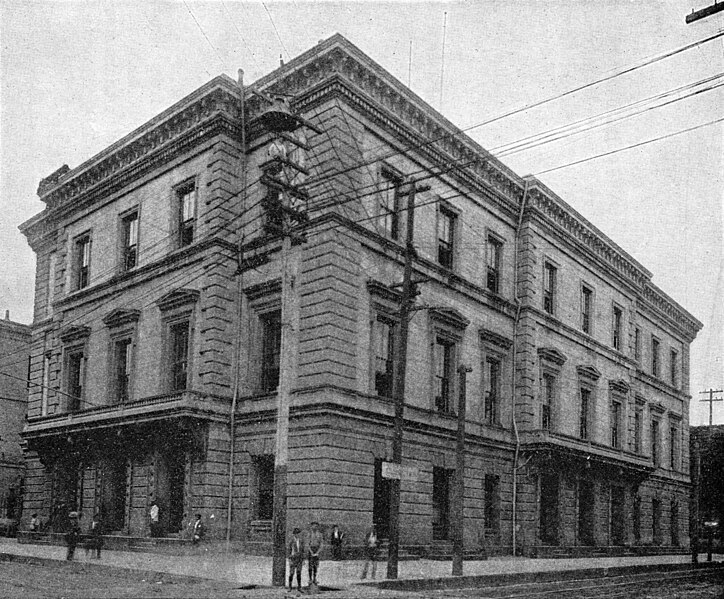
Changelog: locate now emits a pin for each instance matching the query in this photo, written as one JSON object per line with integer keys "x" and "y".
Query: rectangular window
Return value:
{"x": 445, "y": 237}
{"x": 615, "y": 424}
{"x": 638, "y": 423}
{"x": 637, "y": 345}
{"x": 674, "y": 369}
{"x": 390, "y": 205}
{"x": 271, "y": 344}
{"x": 585, "y": 408}
{"x": 494, "y": 251}
{"x": 51, "y": 283}
{"x": 655, "y": 348}
{"x": 492, "y": 389}
{"x": 637, "y": 519}
{"x": 129, "y": 233}
{"x": 550, "y": 273}
{"x": 122, "y": 369}
{"x": 656, "y": 520}
{"x": 444, "y": 368}
{"x": 264, "y": 467}
{"x": 179, "y": 355}
{"x": 82, "y": 262}
{"x": 383, "y": 346}
{"x": 187, "y": 214}
{"x": 490, "y": 503}
{"x": 76, "y": 374}
{"x": 586, "y": 306}
{"x": 617, "y": 322}
{"x": 655, "y": 442}
{"x": 549, "y": 382}
{"x": 675, "y": 523}
{"x": 673, "y": 447}
{"x": 46, "y": 385}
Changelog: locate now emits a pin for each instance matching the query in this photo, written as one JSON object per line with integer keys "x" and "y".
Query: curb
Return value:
{"x": 147, "y": 575}
{"x": 448, "y": 582}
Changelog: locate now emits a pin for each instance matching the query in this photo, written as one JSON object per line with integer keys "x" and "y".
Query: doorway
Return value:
{"x": 549, "y": 509}
{"x": 618, "y": 536}
{"x": 586, "y": 506}
{"x": 381, "y": 502}
{"x": 113, "y": 496}
{"x": 441, "y": 503}
{"x": 170, "y": 483}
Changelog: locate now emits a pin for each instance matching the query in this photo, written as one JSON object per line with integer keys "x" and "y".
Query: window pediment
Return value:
{"x": 74, "y": 333}
{"x": 588, "y": 372}
{"x": 178, "y": 298}
{"x": 267, "y": 288}
{"x": 449, "y": 317}
{"x": 551, "y": 354}
{"x": 120, "y": 317}
{"x": 492, "y": 338}
{"x": 619, "y": 386}
{"x": 382, "y": 291}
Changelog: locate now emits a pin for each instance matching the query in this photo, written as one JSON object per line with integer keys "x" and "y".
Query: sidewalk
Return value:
{"x": 256, "y": 570}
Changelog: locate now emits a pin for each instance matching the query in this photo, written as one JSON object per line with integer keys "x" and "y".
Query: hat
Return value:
{"x": 73, "y": 515}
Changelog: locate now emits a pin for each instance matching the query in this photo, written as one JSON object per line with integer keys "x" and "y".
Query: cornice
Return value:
{"x": 551, "y": 354}
{"x": 121, "y": 317}
{"x": 74, "y": 333}
{"x": 450, "y": 317}
{"x": 588, "y": 372}
{"x": 380, "y": 290}
{"x": 493, "y": 338}
{"x": 177, "y": 299}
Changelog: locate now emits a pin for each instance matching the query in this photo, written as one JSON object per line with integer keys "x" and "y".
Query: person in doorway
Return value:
{"x": 315, "y": 545}
{"x": 153, "y": 516}
{"x": 198, "y": 530}
{"x": 34, "y": 523}
{"x": 371, "y": 544}
{"x": 296, "y": 559}
{"x": 95, "y": 542}
{"x": 73, "y": 535}
{"x": 336, "y": 542}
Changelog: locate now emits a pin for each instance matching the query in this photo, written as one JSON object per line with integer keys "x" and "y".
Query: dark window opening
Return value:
{"x": 76, "y": 367}
{"x": 265, "y": 487}
{"x": 493, "y": 265}
{"x": 122, "y": 371}
{"x": 130, "y": 241}
{"x": 655, "y": 442}
{"x": 446, "y": 238}
{"x": 617, "y": 521}
{"x": 549, "y": 288}
{"x": 586, "y": 505}
{"x": 655, "y": 356}
{"x": 617, "y": 322}
{"x": 491, "y": 505}
{"x": 187, "y": 214}
{"x": 179, "y": 355}
{"x": 444, "y": 350}
{"x": 82, "y": 262}
{"x": 271, "y": 325}
{"x": 381, "y": 502}
{"x": 548, "y": 518}
{"x": 585, "y": 409}
{"x": 586, "y": 305}
{"x": 656, "y": 520}
{"x": 441, "y": 479}
{"x": 615, "y": 423}
{"x": 390, "y": 205}
{"x": 383, "y": 348}
{"x": 673, "y": 374}
{"x": 547, "y": 405}
{"x": 492, "y": 389}
{"x": 638, "y": 422}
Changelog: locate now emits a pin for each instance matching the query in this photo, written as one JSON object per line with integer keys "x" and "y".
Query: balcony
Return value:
{"x": 186, "y": 404}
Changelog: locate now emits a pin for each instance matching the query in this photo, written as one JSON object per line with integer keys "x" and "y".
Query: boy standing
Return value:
{"x": 296, "y": 559}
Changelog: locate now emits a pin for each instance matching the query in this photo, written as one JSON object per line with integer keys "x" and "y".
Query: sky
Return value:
{"x": 76, "y": 76}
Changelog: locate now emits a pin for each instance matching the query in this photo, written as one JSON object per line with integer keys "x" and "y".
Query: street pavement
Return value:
{"x": 245, "y": 570}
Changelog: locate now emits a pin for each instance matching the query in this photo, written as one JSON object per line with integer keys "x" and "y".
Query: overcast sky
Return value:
{"x": 77, "y": 76}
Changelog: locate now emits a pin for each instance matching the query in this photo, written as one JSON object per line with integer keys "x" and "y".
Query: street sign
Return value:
{"x": 711, "y": 523}
{"x": 398, "y": 471}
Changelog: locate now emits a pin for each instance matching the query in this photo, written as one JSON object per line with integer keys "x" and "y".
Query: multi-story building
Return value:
{"x": 14, "y": 352}
{"x": 159, "y": 299}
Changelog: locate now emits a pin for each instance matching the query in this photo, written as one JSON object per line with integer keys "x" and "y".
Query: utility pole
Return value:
{"x": 711, "y": 401}
{"x": 409, "y": 291}
{"x": 458, "y": 511}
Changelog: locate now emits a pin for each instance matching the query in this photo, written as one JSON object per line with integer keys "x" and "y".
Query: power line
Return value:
{"x": 206, "y": 37}
{"x": 279, "y": 37}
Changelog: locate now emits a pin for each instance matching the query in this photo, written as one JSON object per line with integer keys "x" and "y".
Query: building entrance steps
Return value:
{"x": 212, "y": 562}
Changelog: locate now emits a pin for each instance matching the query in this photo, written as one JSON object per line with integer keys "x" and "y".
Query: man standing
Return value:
{"x": 315, "y": 544}
{"x": 371, "y": 544}
{"x": 153, "y": 519}
{"x": 96, "y": 536}
{"x": 73, "y": 535}
{"x": 336, "y": 542}
{"x": 296, "y": 559}
{"x": 198, "y": 530}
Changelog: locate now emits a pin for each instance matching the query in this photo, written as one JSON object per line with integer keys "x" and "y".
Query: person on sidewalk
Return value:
{"x": 95, "y": 542}
{"x": 198, "y": 530}
{"x": 296, "y": 559}
{"x": 34, "y": 523}
{"x": 336, "y": 542}
{"x": 371, "y": 544}
{"x": 73, "y": 535}
{"x": 153, "y": 516}
{"x": 315, "y": 545}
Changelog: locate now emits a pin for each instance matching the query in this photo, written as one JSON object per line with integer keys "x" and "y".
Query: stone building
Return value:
{"x": 158, "y": 297}
{"x": 14, "y": 352}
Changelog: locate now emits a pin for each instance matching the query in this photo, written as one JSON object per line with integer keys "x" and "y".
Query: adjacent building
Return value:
{"x": 159, "y": 300}
{"x": 707, "y": 474}
{"x": 14, "y": 353}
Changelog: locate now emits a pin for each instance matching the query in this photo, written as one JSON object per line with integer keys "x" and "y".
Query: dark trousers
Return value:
{"x": 337, "y": 550}
{"x": 313, "y": 567}
{"x": 71, "y": 552}
{"x": 295, "y": 565}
